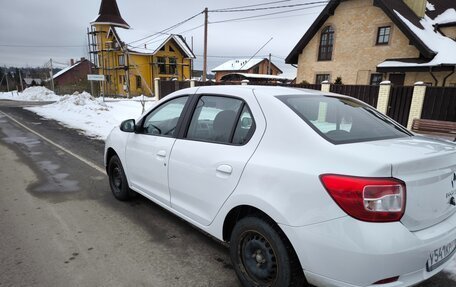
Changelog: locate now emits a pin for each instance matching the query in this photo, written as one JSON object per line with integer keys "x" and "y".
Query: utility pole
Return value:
{"x": 269, "y": 64}
{"x": 206, "y": 12}
{"x": 51, "y": 73}
{"x": 20, "y": 79}
{"x": 6, "y": 75}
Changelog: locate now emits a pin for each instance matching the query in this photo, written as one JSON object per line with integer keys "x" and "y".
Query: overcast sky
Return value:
{"x": 61, "y": 26}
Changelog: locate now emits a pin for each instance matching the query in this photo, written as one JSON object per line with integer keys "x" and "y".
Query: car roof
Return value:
{"x": 263, "y": 90}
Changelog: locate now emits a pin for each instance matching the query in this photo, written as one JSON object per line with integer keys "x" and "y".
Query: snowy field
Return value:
{"x": 93, "y": 116}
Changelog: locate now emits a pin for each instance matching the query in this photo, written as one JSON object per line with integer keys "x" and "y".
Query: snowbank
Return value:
{"x": 32, "y": 94}
{"x": 92, "y": 116}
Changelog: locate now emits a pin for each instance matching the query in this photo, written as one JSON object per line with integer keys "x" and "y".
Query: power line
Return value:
{"x": 269, "y": 8}
{"x": 255, "y": 5}
{"x": 40, "y": 46}
{"x": 169, "y": 28}
{"x": 263, "y": 15}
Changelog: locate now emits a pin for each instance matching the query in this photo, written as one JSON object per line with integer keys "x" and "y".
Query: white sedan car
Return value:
{"x": 307, "y": 187}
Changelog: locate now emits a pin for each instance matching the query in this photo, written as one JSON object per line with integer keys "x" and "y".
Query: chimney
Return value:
{"x": 71, "y": 62}
{"x": 418, "y": 6}
{"x": 83, "y": 59}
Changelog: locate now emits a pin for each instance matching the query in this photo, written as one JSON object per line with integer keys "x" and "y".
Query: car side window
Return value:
{"x": 220, "y": 119}
{"x": 245, "y": 127}
{"x": 163, "y": 120}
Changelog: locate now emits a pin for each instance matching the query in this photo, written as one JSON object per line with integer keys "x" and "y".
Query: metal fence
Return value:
{"x": 440, "y": 104}
{"x": 399, "y": 104}
{"x": 367, "y": 94}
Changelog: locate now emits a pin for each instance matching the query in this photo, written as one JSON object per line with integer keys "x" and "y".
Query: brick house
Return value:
{"x": 256, "y": 66}
{"x": 367, "y": 41}
{"x": 74, "y": 74}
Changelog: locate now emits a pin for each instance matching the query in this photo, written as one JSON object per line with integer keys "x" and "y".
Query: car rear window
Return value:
{"x": 343, "y": 120}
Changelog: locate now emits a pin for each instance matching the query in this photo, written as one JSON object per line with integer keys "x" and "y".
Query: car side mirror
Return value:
{"x": 128, "y": 126}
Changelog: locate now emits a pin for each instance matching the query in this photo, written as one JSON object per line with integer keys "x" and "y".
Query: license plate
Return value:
{"x": 440, "y": 256}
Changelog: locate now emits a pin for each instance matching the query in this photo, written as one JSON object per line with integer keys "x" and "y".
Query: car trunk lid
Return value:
{"x": 428, "y": 168}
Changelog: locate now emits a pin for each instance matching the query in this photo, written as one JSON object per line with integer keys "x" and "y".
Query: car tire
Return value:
{"x": 118, "y": 180}
{"x": 263, "y": 256}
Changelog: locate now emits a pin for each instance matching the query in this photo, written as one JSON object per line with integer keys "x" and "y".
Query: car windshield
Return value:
{"x": 343, "y": 120}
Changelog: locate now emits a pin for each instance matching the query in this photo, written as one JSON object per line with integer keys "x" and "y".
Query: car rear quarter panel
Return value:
{"x": 282, "y": 177}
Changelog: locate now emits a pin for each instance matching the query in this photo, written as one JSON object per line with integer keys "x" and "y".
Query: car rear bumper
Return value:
{"x": 348, "y": 252}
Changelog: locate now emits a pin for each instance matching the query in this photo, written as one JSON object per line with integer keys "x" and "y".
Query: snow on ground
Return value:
{"x": 93, "y": 116}
{"x": 32, "y": 94}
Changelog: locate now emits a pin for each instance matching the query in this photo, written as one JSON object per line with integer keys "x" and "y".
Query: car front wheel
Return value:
{"x": 262, "y": 256}
{"x": 118, "y": 180}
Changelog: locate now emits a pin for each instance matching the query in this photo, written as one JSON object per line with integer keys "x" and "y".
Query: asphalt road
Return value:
{"x": 60, "y": 225}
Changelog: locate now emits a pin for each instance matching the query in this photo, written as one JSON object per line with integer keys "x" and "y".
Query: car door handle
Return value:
{"x": 224, "y": 168}
{"x": 161, "y": 153}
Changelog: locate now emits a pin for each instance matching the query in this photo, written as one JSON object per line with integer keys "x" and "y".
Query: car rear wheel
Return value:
{"x": 262, "y": 256}
{"x": 117, "y": 180}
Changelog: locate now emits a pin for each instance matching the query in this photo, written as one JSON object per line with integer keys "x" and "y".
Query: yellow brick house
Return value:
{"x": 131, "y": 59}
{"x": 368, "y": 41}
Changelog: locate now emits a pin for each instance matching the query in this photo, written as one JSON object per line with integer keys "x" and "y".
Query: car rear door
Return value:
{"x": 206, "y": 164}
{"x": 147, "y": 151}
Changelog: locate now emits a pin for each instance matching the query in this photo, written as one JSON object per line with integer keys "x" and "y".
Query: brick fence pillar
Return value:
{"x": 192, "y": 83}
{"x": 383, "y": 97}
{"x": 245, "y": 82}
{"x": 325, "y": 86}
{"x": 157, "y": 88}
{"x": 416, "y": 108}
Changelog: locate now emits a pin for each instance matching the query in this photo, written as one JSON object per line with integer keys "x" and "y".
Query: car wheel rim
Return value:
{"x": 116, "y": 179}
{"x": 258, "y": 258}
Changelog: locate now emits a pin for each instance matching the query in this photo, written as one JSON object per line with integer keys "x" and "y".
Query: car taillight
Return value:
{"x": 367, "y": 199}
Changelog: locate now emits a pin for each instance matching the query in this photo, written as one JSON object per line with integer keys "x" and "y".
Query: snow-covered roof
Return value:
{"x": 63, "y": 71}
{"x": 238, "y": 65}
{"x": 449, "y": 16}
{"x": 260, "y": 76}
{"x": 140, "y": 41}
{"x": 443, "y": 47}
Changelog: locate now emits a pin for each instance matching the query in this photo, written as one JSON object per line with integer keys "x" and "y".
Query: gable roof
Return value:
{"x": 140, "y": 42}
{"x": 109, "y": 14}
{"x": 398, "y": 11}
{"x": 64, "y": 70}
{"x": 241, "y": 65}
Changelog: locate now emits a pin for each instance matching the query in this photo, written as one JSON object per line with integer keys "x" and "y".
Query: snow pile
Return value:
{"x": 92, "y": 116}
{"x": 84, "y": 100}
{"x": 32, "y": 94}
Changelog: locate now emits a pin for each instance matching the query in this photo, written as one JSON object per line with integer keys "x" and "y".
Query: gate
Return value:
{"x": 367, "y": 94}
{"x": 168, "y": 87}
{"x": 399, "y": 104}
{"x": 440, "y": 104}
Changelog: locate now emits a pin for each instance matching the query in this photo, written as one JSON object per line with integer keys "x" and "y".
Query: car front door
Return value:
{"x": 207, "y": 163}
{"x": 147, "y": 151}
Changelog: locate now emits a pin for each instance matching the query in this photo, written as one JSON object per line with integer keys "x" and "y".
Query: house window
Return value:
{"x": 172, "y": 66}
{"x": 376, "y": 79}
{"x": 121, "y": 60}
{"x": 321, "y": 77}
{"x": 138, "y": 82}
{"x": 383, "y": 35}
{"x": 171, "y": 49}
{"x": 161, "y": 61}
{"x": 326, "y": 44}
{"x": 122, "y": 80}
